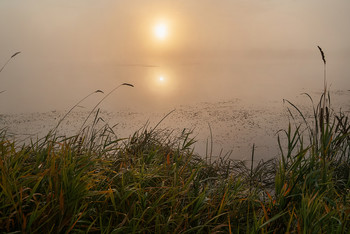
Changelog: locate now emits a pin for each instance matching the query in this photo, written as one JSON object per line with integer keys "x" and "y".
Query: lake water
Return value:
{"x": 233, "y": 126}
{"x": 241, "y": 100}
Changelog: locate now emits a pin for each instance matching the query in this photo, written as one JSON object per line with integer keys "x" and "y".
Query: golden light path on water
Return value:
{"x": 162, "y": 84}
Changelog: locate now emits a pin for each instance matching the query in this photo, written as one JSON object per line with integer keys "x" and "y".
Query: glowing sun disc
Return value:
{"x": 161, "y": 31}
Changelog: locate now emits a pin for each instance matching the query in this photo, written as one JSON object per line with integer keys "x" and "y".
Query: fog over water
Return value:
{"x": 224, "y": 62}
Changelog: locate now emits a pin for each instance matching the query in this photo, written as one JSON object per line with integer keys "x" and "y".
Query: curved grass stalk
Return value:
{"x": 123, "y": 84}
{"x": 59, "y": 122}
{"x": 2, "y": 68}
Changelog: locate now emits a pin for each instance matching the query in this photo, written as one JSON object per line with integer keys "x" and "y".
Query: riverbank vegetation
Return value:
{"x": 153, "y": 182}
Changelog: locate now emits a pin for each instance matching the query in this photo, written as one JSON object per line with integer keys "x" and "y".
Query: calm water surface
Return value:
{"x": 242, "y": 106}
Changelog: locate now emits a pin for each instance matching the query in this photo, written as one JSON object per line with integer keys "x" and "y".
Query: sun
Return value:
{"x": 161, "y": 78}
{"x": 161, "y": 31}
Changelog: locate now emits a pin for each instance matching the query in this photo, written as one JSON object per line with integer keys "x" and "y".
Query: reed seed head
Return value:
{"x": 15, "y": 54}
{"x": 322, "y": 54}
{"x": 128, "y": 84}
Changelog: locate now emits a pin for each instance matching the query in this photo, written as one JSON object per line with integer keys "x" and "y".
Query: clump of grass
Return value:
{"x": 143, "y": 184}
{"x": 313, "y": 175}
{"x": 153, "y": 182}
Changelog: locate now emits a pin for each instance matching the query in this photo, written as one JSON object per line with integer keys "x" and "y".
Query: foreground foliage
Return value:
{"x": 152, "y": 182}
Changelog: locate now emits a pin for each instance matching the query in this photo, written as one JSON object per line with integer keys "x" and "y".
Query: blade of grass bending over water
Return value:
{"x": 59, "y": 122}
{"x": 162, "y": 120}
{"x": 123, "y": 84}
{"x": 2, "y": 68}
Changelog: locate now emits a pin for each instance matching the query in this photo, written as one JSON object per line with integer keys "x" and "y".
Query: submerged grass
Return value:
{"x": 153, "y": 182}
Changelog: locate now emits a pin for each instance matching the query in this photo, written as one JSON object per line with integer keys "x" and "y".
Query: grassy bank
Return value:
{"x": 153, "y": 182}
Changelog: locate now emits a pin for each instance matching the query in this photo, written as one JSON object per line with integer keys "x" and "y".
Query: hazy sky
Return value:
{"x": 215, "y": 49}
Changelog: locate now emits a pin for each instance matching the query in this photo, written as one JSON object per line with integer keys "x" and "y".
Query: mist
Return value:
{"x": 216, "y": 50}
